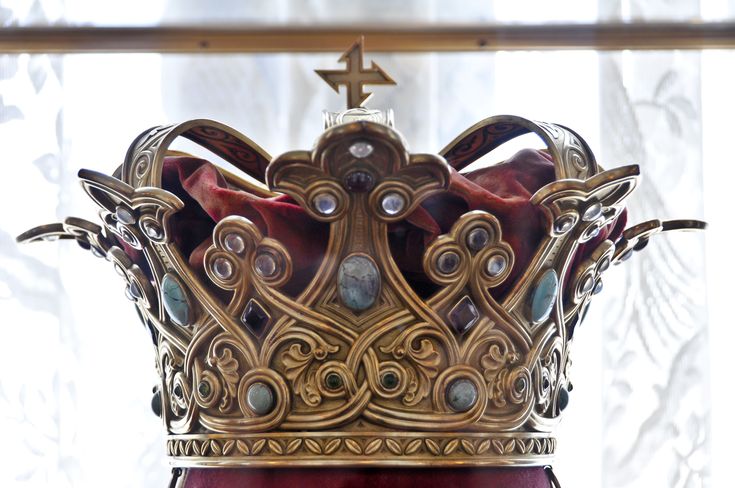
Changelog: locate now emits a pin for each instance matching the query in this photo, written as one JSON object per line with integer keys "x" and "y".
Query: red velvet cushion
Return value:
{"x": 367, "y": 478}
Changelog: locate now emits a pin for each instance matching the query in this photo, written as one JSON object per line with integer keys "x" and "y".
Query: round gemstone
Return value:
{"x": 178, "y": 391}
{"x": 478, "y": 238}
{"x": 598, "y": 287}
{"x": 128, "y": 236}
{"x": 325, "y": 203}
{"x": 358, "y": 282}
{"x": 461, "y": 395}
{"x": 204, "y": 389}
{"x": 641, "y": 244}
{"x": 97, "y": 252}
{"x": 592, "y": 231}
{"x": 604, "y": 264}
{"x": 626, "y": 255}
{"x": 496, "y": 265}
{"x": 563, "y": 399}
{"x": 592, "y": 212}
{"x": 587, "y": 284}
{"x": 156, "y": 403}
{"x": 135, "y": 290}
{"x": 448, "y": 262}
{"x": 544, "y": 296}
{"x": 359, "y": 181}
{"x": 389, "y": 380}
{"x": 234, "y": 243}
{"x": 393, "y": 203}
{"x": 564, "y": 223}
{"x": 265, "y": 264}
{"x": 152, "y": 230}
{"x": 124, "y": 215}
{"x": 175, "y": 300}
{"x": 260, "y": 398}
{"x": 333, "y": 381}
{"x": 222, "y": 268}
{"x": 129, "y": 294}
{"x": 361, "y": 149}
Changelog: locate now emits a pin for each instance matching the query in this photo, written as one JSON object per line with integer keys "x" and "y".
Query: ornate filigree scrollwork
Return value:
{"x": 358, "y": 369}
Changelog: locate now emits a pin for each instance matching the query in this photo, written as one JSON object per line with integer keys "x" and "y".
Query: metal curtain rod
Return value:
{"x": 330, "y": 38}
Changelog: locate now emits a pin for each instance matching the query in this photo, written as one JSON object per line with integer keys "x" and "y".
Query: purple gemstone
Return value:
{"x": 464, "y": 315}
{"x": 254, "y": 317}
{"x": 359, "y": 181}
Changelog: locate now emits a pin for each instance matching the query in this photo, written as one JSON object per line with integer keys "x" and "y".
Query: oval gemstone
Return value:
{"x": 260, "y": 398}
{"x": 175, "y": 300}
{"x": 361, "y": 149}
{"x": 234, "y": 243}
{"x": 359, "y": 181}
{"x": 544, "y": 296}
{"x": 478, "y": 238}
{"x": 152, "y": 230}
{"x": 496, "y": 265}
{"x": 588, "y": 284}
{"x": 393, "y": 203}
{"x": 325, "y": 203}
{"x": 333, "y": 381}
{"x": 563, "y": 399}
{"x": 592, "y": 212}
{"x": 389, "y": 380}
{"x": 222, "y": 268}
{"x": 564, "y": 223}
{"x": 448, "y": 262}
{"x": 358, "y": 282}
{"x": 461, "y": 395}
{"x": 124, "y": 215}
{"x": 265, "y": 265}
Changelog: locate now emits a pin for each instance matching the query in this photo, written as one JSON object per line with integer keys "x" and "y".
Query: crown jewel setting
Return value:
{"x": 358, "y": 367}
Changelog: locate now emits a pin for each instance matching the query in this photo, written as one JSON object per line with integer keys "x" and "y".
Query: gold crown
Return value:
{"x": 358, "y": 368}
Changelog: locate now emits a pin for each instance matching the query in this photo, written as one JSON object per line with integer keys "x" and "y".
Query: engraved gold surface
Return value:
{"x": 208, "y": 365}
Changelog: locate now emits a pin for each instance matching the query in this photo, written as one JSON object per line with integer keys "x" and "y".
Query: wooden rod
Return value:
{"x": 424, "y": 38}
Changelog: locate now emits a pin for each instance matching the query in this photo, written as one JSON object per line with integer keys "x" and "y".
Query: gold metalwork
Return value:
{"x": 414, "y": 38}
{"x": 517, "y": 367}
{"x": 354, "y": 77}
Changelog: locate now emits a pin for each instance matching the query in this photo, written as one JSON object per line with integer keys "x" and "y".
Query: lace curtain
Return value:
{"x": 76, "y": 366}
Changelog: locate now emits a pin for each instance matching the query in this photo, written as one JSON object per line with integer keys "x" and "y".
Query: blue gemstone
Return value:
{"x": 544, "y": 296}
{"x": 358, "y": 282}
{"x": 175, "y": 300}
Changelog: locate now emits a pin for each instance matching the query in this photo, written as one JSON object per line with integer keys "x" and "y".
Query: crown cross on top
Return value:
{"x": 355, "y": 76}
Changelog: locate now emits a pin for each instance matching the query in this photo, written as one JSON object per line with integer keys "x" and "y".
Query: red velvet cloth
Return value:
{"x": 503, "y": 190}
{"x": 367, "y": 478}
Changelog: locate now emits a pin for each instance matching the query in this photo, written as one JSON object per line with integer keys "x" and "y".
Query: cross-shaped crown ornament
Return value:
{"x": 355, "y": 76}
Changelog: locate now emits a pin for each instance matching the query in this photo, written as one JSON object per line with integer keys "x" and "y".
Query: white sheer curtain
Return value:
{"x": 76, "y": 367}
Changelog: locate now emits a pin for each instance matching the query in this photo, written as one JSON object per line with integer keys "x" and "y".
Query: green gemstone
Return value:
{"x": 333, "y": 381}
{"x": 389, "y": 380}
{"x": 358, "y": 282}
